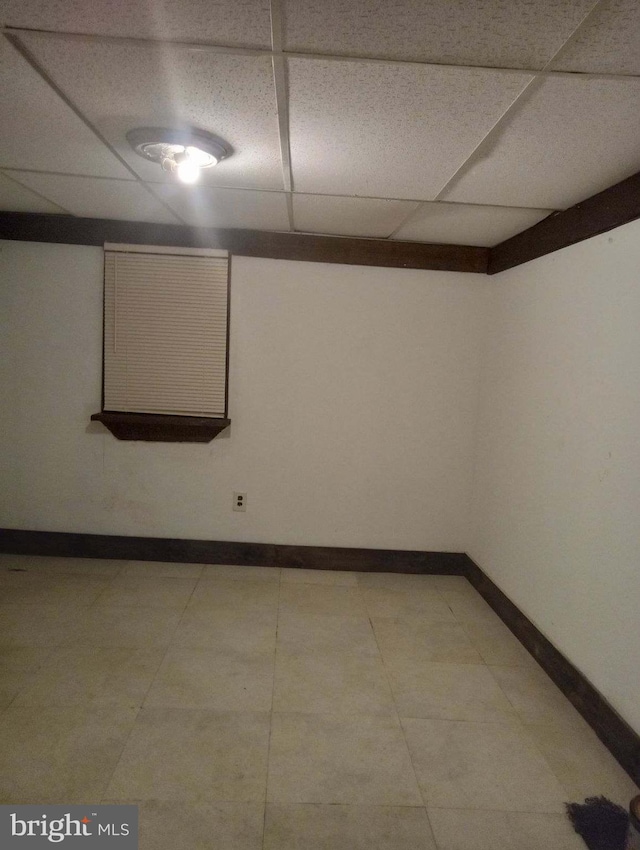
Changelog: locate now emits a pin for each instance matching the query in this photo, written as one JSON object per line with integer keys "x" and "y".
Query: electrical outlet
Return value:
{"x": 239, "y": 501}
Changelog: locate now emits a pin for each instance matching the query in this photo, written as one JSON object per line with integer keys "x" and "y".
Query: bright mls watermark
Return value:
{"x": 102, "y": 827}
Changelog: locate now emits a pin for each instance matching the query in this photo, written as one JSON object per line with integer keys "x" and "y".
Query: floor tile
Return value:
{"x": 481, "y": 766}
{"x": 582, "y": 763}
{"x": 331, "y": 759}
{"x": 232, "y": 571}
{"x": 23, "y": 659}
{"x": 160, "y": 569}
{"x": 165, "y": 825}
{"x": 534, "y": 696}
{"x": 461, "y": 829}
{"x": 457, "y": 583}
{"x": 412, "y": 637}
{"x": 426, "y": 603}
{"x": 259, "y": 597}
{"x": 125, "y": 626}
{"x": 321, "y": 599}
{"x": 447, "y": 691}
{"x": 62, "y": 752}
{"x": 39, "y": 589}
{"x": 470, "y": 607}
{"x": 148, "y": 592}
{"x": 186, "y": 754}
{"x": 397, "y": 581}
{"x": 497, "y": 644}
{"x": 331, "y": 683}
{"x": 242, "y": 631}
{"x": 39, "y": 625}
{"x": 222, "y": 679}
{"x": 317, "y": 827}
{"x": 96, "y": 676}
{"x": 339, "y": 578}
{"x": 62, "y": 566}
{"x": 12, "y": 683}
{"x": 310, "y": 633}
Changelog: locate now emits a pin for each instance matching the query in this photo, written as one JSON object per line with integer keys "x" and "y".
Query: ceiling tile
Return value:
{"x": 389, "y": 131}
{"x": 573, "y": 137}
{"x": 498, "y": 33}
{"x": 94, "y": 197}
{"x": 349, "y": 216}
{"x": 232, "y": 22}
{"x": 205, "y": 207}
{"x": 608, "y": 43}
{"x": 121, "y": 86}
{"x": 17, "y": 198}
{"x": 466, "y": 224}
{"x": 38, "y": 130}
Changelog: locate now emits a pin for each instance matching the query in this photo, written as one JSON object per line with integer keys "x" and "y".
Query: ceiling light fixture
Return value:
{"x": 181, "y": 152}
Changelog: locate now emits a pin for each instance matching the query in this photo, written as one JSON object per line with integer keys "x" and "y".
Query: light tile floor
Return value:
{"x": 244, "y": 708}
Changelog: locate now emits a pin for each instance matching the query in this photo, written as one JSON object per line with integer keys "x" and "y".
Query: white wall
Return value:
{"x": 557, "y": 484}
{"x": 353, "y": 398}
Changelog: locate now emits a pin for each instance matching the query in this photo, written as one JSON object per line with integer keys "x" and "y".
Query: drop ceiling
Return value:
{"x": 425, "y": 120}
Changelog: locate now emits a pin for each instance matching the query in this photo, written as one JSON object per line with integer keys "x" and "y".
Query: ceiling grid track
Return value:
{"x": 15, "y": 180}
{"x": 329, "y": 57}
{"x": 282, "y": 102}
{"x": 529, "y": 90}
{"x": 432, "y": 212}
{"x": 15, "y": 41}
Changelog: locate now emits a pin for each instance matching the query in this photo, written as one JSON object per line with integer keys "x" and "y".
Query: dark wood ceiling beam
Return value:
{"x": 38, "y": 227}
{"x": 611, "y": 208}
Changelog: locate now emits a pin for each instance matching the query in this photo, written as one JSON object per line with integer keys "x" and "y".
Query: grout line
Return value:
{"x": 273, "y": 689}
{"x": 212, "y": 47}
{"x": 395, "y": 704}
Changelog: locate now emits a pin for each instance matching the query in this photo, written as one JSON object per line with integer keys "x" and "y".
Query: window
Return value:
{"x": 165, "y": 337}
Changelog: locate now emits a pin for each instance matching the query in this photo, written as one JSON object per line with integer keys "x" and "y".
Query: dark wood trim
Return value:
{"x": 158, "y": 428}
{"x": 62, "y": 544}
{"x": 611, "y": 208}
{"x": 39, "y": 227}
{"x": 615, "y": 733}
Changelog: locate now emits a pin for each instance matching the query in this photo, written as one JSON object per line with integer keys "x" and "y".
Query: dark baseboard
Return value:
{"x": 19, "y": 542}
{"x": 613, "y": 731}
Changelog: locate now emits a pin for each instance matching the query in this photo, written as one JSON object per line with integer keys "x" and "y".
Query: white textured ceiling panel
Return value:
{"x": 499, "y": 33}
{"x": 389, "y": 131}
{"x": 573, "y": 137}
{"x": 17, "y": 198}
{"x": 609, "y": 42}
{"x": 121, "y": 86}
{"x": 349, "y": 216}
{"x": 98, "y": 198}
{"x": 38, "y": 130}
{"x": 205, "y": 207}
{"x": 465, "y": 224}
{"x": 232, "y": 22}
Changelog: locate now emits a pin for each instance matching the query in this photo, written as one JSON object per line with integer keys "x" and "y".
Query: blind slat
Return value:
{"x": 165, "y": 333}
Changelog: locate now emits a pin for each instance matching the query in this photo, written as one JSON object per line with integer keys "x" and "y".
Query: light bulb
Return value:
{"x": 188, "y": 171}
{"x": 200, "y": 157}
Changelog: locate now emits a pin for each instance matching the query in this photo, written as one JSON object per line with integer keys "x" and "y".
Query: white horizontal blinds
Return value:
{"x": 165, "y": 333}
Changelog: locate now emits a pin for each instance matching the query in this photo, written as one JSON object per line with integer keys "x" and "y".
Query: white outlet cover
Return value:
{"x": 239, "y": 501}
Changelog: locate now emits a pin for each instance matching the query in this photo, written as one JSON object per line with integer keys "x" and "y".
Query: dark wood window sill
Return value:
{"x": 161, "y": 428}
